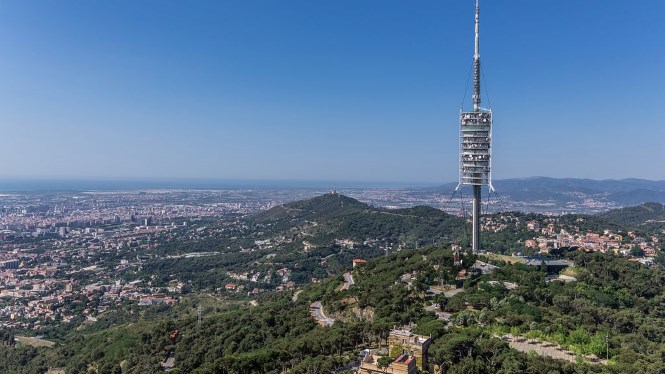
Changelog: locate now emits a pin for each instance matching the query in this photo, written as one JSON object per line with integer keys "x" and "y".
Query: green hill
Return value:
{"x": 312, "y": 238}
{"x": 647, "y": 215}
{"x": 321, "y": 207}
{"x": 612, "y": 297}
{"x": 323, "y": 219}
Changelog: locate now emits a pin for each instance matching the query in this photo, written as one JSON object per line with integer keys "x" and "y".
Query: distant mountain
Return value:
{"x": 637, "y": 196}
{"x": 563, "y": 191}
{"x": 649, "y": 215}
{"x": 581, "y": 185}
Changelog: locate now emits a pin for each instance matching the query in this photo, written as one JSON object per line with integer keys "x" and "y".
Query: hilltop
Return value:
{"x": 321, "y": 207}
{"x": 323, "y": 219}
{"x": 648, "y": 215}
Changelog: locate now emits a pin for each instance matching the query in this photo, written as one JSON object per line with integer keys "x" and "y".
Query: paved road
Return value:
{"x": 507, "y": 285}
{"x": 437, "y": 290}
{"x": 435, "y": 307}
{"x": 484, "y": 267}
{"x": 348, "y": 281}
{"x": 453, "y": 292}
{"x": 316, "y": 310}
{"x": 441, "y": 315}
{"x": 434, "y": 291}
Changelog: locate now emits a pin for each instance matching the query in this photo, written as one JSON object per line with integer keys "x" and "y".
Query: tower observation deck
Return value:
{"x": 476, "y": 143}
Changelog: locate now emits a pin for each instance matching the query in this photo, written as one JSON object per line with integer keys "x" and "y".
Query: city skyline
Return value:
{"x": 319, "y": 91}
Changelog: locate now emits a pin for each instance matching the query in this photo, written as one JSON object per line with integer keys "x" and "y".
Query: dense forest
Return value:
{"x": 648, "y": 216}
{"x": 614, "y": 308}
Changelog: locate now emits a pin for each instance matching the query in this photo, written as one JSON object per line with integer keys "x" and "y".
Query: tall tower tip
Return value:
{"x": 476, "y": 62}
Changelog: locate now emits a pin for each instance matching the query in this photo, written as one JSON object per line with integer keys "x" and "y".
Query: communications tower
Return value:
{"x": 475, "y": 143}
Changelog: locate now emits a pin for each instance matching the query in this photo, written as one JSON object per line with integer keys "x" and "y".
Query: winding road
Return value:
{"x": 348, "y": 281}
{"x": 316, "y": 310}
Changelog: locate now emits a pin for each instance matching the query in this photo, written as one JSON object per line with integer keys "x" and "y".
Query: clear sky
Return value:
{"x": 342, "y": 90}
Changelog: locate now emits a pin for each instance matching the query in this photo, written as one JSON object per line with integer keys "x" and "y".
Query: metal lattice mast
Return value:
{"x": 476, "y": 63}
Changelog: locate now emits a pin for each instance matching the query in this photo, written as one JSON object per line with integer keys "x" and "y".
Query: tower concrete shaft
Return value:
{"x": 475, "y": 243}
{"x": 475, "y": 240}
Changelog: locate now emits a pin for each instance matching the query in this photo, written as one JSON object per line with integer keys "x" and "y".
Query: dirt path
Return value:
{"x": 548, "y": 349}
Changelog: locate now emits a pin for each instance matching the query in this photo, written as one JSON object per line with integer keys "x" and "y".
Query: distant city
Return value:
{"x": 538, "y": 194}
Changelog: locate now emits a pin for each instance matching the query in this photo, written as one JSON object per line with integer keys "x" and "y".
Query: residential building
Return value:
{"x": 403, "y": 341}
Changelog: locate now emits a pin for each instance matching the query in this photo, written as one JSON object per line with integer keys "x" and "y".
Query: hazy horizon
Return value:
{"x": 98, "y": 183}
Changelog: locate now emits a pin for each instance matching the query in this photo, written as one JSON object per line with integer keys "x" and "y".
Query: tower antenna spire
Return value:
{"x": 476, "y": 63}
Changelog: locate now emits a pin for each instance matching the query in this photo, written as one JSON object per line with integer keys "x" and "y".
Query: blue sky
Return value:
{"x": 327, "y": 90}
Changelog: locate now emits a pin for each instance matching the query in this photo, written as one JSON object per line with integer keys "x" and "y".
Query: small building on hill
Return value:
{"x": 403, "y": 364}
{"x": 404, "y": 341}
{"x": 358, "y": 262}
{"x": 553, "y": 266}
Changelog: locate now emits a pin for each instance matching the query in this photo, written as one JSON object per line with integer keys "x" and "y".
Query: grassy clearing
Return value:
{"x": 508, "y": 259}
{"x": 35, "y": 342}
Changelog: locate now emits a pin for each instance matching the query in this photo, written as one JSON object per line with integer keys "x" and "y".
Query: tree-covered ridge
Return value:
{"x": 648, "y": 215}
{"x": 611, "y": 297}
{"x": 391, "y": 289}
{"x": 323, "y": 219}
{"x": 311, "y": 238}
{"x": 320, "y": 207}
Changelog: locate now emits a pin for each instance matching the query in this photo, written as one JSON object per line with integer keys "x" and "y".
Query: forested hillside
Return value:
{"x": 611, "y": 298}
{"x": 648, "y": 216}
{"x": 312, "y": 238}
{"x": 334, "y": 216}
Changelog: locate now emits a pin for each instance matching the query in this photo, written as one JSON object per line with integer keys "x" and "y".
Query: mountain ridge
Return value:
{"x": 561, "y": 191}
